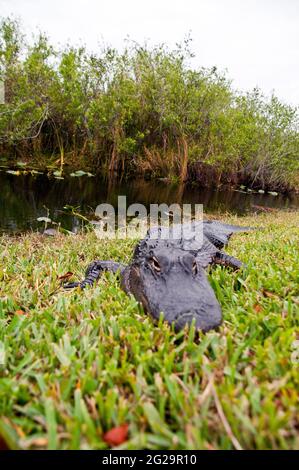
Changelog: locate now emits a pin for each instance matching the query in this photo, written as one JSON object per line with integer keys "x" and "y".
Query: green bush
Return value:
{"x": 143, "y": 109}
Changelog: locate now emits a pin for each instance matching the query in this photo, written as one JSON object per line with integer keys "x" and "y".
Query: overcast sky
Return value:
{"x": 256, "y": 41}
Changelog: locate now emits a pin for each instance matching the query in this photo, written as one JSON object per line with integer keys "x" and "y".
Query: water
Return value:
{"x": 24, "y": 198}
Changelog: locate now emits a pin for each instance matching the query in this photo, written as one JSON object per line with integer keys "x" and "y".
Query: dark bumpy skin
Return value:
{"x": 168, "y": 275}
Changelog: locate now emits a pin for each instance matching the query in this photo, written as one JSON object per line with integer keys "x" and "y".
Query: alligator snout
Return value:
{"x": 193, "y": 301}
{"x": 207, "y": 322}
{"x": 178, "y": 288}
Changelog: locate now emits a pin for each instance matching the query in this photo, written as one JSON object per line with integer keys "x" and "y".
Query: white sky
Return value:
{"x": 256, "y": 41}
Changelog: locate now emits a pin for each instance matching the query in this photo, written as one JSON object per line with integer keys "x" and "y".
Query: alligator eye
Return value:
{"x": 155, "y": 264}
{"x": 194, "y": 268}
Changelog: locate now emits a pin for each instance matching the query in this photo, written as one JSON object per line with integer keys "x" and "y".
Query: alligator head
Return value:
{"x": 172, "y": 281}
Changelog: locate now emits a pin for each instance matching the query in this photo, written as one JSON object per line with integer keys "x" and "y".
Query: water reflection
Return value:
{"x": 25, "y": 198}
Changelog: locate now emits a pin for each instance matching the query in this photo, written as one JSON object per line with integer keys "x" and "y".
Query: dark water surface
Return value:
{"x": 24, "y": 198}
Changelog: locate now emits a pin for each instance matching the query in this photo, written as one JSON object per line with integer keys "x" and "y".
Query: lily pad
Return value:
{"x": 261, "y": 191}
{"x": 239, "y": 191}
{"x": 44, "y": 219}
{"x": 57, "y": 173}
{"x": 21, "y": 164}
{"x": 273, "y": 193}
{"x": 79, "y": 173}
{"x": 14, "y": 172}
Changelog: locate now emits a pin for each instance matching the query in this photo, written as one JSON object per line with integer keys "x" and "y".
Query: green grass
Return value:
{"x": 80, "y": 363}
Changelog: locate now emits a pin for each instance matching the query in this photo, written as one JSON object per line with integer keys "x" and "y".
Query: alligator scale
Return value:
{"x": 167, "y": 275}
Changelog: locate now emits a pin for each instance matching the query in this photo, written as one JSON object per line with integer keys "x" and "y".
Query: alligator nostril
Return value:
{"x": 188, "y": 314}
{"x": 189, "y": 263}
{"x": 200, "y": 322}
{"x": 186, "y": 317}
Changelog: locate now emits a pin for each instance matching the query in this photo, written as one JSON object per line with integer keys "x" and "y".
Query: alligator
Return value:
{"x": 167, "y": 273}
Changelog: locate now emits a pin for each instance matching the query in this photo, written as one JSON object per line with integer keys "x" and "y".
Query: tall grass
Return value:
{"x": 79, "y": 363}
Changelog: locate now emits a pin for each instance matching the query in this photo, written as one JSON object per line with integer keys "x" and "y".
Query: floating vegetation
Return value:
{"x": 47, "y": 220}
{"x": 14, "y": 172}
{"x": 240, "y": 191}
{"x": 79, "y": 173}
{"x": 24, "y": 172}
{"x": 58, "y": 175}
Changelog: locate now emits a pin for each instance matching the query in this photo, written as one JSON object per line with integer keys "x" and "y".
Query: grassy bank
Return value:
{"x": 144, "y": 110}
{"x": 80, "y": 363}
